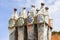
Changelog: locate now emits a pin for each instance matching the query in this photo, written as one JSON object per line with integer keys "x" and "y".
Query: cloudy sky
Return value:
{"x": 7, "y": 6}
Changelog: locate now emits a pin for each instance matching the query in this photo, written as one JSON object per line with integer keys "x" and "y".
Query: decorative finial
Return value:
{"x": 46, "y": 8}
{"x": 42, "y": 4}
{"x": 23, "y": 7}
{"x": 15, "y": 9}
{"x": 37, "y": 10}
{"x": 33, "y": 6}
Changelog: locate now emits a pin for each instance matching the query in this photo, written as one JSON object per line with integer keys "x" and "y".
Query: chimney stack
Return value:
{"x": 37, "y": 10}
{"x": 15, "y": 14}
{"x": 15, "y": 10}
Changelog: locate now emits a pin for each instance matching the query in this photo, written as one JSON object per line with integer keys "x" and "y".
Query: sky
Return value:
{"x": 7, "y": 6}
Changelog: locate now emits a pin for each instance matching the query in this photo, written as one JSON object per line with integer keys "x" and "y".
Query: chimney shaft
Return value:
{"x": 15, "y": 16}
{"x": 15, "y": 11}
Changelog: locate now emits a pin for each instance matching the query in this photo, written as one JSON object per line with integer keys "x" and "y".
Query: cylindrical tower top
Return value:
{"x": 46, "y": 8}
{"x": 42, "y": 4}
{"x": 33, "y": 6}
{"x": 15, "y": 9}
{"x": 37, "y": 10}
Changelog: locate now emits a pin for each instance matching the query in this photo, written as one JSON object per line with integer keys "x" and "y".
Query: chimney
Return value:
{"x": 42, "y": 4}
{"x": 33, "y": 6}
{"x": 32, "y": 11}
{"x": 46, "y": 11}
{"x": 23, "y": 12}
{"x": 29, "y": 14}
{"x": 15, "y": 10}
{"x": 15, "y": 14}
{"x": 37, "y": 10}
{"x": 41, "y": 10}
{"x": 46, "y": 8}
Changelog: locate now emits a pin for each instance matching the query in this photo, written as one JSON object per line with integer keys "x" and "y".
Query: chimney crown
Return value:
{"x": 42, "y": 4}
{"x": 37, "y": 9}
{"x": 46, "y": 8}
{"x": 15, "y": 9}
{"x": 33, "y": 6}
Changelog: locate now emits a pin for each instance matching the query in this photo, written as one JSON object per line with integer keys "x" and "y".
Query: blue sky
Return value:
{"x": 7, "y": 6}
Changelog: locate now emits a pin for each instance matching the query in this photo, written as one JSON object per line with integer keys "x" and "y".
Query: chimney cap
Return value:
{"x": 46, "y": 8}
{"x": 42, "y": 4}
{"x": 33, "y": 5}
{"x": 24, "y": 7}
{"x": 15, "y": 9}
{"x": 37, "y": 9}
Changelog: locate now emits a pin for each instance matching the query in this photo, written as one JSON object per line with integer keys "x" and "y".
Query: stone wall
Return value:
{"x": 12, "y": 36}
{"x": 30, "y": 30}
{"x": 42, "y": 32}
{"x": 21, "y": 33}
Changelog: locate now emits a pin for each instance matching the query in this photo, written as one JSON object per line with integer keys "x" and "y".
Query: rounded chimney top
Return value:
{"x": 37, "y": 9}
{"x": 33, "y": 6}
{"x": 42, "y": 4}
{"x": 15, "y": 9}
{"x": 46, "y": 8}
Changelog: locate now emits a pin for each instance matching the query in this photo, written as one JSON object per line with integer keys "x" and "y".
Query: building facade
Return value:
{"x": 35, "y": 24}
